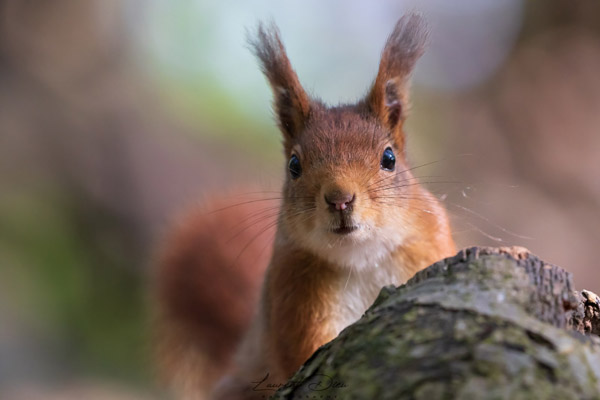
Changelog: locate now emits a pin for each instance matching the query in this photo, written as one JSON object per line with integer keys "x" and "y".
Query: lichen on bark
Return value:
{"x": 488, "y": 324}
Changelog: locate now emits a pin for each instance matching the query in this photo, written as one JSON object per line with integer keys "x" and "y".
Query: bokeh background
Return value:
{"x": 115, "y": 115}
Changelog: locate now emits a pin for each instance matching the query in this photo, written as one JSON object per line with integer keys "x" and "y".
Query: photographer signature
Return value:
{"x": 316, "y": 383}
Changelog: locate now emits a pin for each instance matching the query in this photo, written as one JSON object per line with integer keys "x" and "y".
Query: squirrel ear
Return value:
{"x": 388, "y": 97}
{"x": 290, "y": 101}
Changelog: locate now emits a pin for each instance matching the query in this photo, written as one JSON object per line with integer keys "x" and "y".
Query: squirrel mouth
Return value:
{"x": 344, "y": 230}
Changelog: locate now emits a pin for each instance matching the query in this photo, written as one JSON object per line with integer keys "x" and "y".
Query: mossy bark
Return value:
{"x": 485, "y": 324}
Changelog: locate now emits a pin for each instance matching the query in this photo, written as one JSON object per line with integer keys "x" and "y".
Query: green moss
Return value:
{"x": 428, "y": 340}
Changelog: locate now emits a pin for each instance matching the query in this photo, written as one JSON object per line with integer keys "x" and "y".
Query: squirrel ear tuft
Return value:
{"x": 388, "y": 97}
{"x": 290, "y": 101}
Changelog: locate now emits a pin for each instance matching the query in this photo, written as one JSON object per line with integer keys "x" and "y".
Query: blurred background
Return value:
{"x": 116, "y": 115}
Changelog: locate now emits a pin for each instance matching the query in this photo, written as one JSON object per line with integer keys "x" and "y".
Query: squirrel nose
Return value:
{"x": 339, "y": 201}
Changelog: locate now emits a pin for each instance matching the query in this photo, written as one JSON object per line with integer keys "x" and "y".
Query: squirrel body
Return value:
{"x": 308, "y": 300}
{"x": 353, "y": 217}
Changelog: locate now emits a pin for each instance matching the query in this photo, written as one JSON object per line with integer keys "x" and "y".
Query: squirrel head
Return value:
{"x": 348, "y": 189}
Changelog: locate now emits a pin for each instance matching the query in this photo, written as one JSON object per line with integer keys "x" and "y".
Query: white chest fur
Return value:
{"x": 358, "y": 291}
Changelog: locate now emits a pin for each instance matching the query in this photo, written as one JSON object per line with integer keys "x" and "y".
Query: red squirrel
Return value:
{"x": 353, "y": 219}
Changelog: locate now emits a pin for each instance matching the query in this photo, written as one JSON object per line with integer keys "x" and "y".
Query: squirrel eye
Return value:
{"x": 388, "y": 160}
{"x": 294, "y": 167}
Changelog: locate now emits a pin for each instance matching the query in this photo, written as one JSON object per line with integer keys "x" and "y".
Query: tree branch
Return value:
{"x": 486, "y": 323}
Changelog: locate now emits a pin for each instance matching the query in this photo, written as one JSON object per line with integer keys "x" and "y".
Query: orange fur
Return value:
{"x": 302, "y": 311}
{"x": 350, "y": 221}
{"x": 206, "y": 288}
